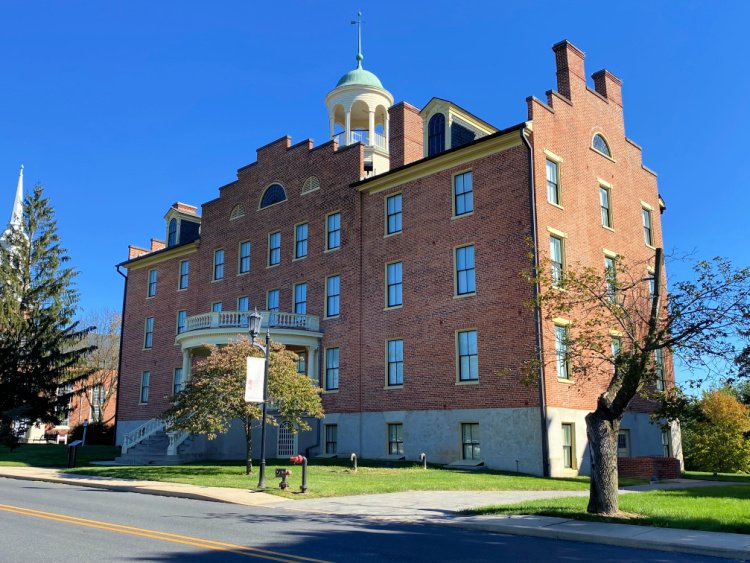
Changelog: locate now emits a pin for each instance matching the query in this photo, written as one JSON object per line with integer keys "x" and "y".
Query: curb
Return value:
{"x": 588, "y": 537}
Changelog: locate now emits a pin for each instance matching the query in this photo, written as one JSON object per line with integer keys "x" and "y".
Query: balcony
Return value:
{"x": 221, "y": 327}
{"x": 361, "y": 136}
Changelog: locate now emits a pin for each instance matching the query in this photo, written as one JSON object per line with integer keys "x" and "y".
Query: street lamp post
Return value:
{"x": 254, "y": 323}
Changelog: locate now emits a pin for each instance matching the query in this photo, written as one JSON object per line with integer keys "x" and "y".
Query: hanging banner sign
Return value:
{"x": 254, "y": 380}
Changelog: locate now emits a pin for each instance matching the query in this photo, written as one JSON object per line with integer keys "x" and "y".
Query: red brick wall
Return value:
{"x": 405, "y": 132}
{"x": 649, "y": 466}
{"x": 566, "y": 127}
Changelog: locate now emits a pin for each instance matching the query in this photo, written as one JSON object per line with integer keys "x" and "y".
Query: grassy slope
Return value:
{"x": 716, "y": 509}
{"x": 52, "y": 455}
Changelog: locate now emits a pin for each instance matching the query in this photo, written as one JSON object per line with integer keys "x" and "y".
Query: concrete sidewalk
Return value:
{"x": 440, "y": 507}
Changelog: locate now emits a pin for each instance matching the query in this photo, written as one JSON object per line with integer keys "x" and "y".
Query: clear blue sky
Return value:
{"x": 120, "y": 109}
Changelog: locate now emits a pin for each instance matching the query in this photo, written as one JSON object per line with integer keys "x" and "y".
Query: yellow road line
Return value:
{"x": 164, "y": 536}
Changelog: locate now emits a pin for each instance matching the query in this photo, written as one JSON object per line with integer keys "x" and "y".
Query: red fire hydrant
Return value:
{"x": 297, "y": 459}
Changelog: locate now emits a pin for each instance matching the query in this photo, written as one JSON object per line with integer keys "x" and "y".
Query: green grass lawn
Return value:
{"x": 328, "y": 478}
{"x": 53, "y": 455}
{"x": 715, "y": 509}
{"x": 706, "y": 476}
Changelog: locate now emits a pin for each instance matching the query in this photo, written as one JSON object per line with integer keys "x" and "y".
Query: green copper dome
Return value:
{"x": 360, "y": 77}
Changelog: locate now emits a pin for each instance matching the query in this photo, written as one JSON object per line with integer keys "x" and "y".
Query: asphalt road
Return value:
{"x": 49, "y": 522}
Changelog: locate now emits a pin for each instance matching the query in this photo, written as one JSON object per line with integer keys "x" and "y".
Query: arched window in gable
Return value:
{"x": 172, "y": 232}
{"x": 436, "y": 134}
{"x": 237, "y": 212}
{"x": 274, "y": 194}
{"x": 599, "y": 144}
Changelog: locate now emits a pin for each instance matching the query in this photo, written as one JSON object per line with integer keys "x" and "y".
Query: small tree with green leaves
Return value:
{"x": 215, "y": 394}
{"x": 39, "y": 341}
{"x": 622, "y": 324}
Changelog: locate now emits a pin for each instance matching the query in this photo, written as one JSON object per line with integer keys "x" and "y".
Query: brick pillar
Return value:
{"x": 405, "y": 134}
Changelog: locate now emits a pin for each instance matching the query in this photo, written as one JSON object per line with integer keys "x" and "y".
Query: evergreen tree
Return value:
{"x": 38, "y": 337}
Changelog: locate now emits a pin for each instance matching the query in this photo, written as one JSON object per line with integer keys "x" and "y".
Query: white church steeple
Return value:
{"x": 16, "y": 215}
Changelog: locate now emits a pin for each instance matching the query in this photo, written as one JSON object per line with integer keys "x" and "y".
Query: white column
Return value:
{"x": 348, "y": 127}
{"x": 331, "y": 126}
{"x": 371, "y": 129}
{"x": 386, "y": 131}
{"x": 186, "y": 365}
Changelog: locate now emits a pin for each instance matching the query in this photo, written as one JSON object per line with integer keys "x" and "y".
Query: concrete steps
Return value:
{"x": 153, "y": 451}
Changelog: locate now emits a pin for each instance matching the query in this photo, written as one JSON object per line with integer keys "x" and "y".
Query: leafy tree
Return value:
{"x": 215, "y": 394}
{"x": 715, "y": 440}
{"x": 621, "y": 325}
{"x": 39, "y": 341}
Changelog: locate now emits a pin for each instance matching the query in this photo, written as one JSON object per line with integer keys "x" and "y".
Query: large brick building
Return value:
{"x": 390, "y": 259}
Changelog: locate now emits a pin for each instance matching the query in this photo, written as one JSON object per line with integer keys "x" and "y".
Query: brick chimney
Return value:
{"x": 608, "y": 85}
{"x": 571, "y": 76}
{"x": 405, "y": 134}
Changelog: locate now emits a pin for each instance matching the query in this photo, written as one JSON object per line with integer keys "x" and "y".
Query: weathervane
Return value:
{"x": 358, "y": 22}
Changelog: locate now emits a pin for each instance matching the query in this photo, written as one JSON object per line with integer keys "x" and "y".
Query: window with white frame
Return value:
{"x": 219, "y": 264}
{"x": 465, "y": 274}
{"x": 553, "y": 182}
{"x": 97, "y": 400}
{"x": 301, "y": 362}
{"x": 272, "y": 300}
{"x": 333, "y": 294}
{"x": 331, "y": 438}
{"x": 393, "y": 214}
{"x": 151, "y": 283}
{"x": 605, "y": 206}
{"x": 145, "y": 386}
{"x": 184, "y": 271}
{"x": 300, "y": 241}
{"x": 599, "y": 144}
{"x": 562, "y": 352}
{"x": 333, "y": 231}
{"x": 244, "y": 264}
{"x": 332, "y": 369}
{"x": 568, "y": 445}
{"x": 274, "y": 248}
{"x": 394, "y": 284}
{"x": 395, "y": 439}
{"x": 181, "y": 321}
{"x": 666, "y": 442}
{"x": 148, "y": 336}
{"x": 470, "y": 441}
{"x": 648, "y": 234}
{"x": 395, "y": 355}
{"x": 468, "y": 355}
{"x": 616, "y": 346}
{"x": 463, "y": 193}
{"x": 623, "y": 443}
{"x": 243, "y": 303}
{"x": 661, "y": 382}
{"x": 557, "y": 259}
{"x": 610, "y": 275}
{"x": 300, "y": 298}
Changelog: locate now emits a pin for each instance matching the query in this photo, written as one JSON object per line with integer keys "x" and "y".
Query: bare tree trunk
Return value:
{"x": 602, "y": 434}
{"x": 248, "y": 447}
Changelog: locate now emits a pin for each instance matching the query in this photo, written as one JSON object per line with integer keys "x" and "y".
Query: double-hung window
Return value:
{"x": 396, "y": 439}
{"x": 648, "y": 234}
{"x": 332, "y": 369}
{"x": 145, "y": 385}
{"x": 470, "y": 441}
{"x": 148, "y": 337}
{"x": 468, "y": 357}
{"x": 333, "y": 231}
{"x": 331, "y": 438}
{"x": 217, "y": 307}
{"x": 610, "y": 274}
{"x": 272, "y": 300}
{"x": 394, "y": 284}
{"x": 465, "y": 277}
{"x": 395, "y": 350}
{"x": 661, "y": 382}
{"x": 184, "y": 271}
{"x": 178, "y": 383}
{"x": 333, "y": 293}
{"x": 557, "y": 261}
{"x": 300, "y": 298}
{"x": 393, "y": 214}
{"x": 218, "y": 264}
{"x": 97, "y": 400}
{"x": 463, "y": 194}
{"x": 274, "y": 248}
{"x": 553, "y": 182}
{"x": 244, "y": 265}
{"x": 181, "y": 320}
{"x": 562, "y": 353}
{"x": 151, "y": 283}
{"x": 568, "y": 441}
{"x": 300, "y": 241}
{"x": 605, "y": 206}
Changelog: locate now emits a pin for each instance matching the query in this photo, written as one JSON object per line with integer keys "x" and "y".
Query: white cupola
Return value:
{"x": 358, "y": 111}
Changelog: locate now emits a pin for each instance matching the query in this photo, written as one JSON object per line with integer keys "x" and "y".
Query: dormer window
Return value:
{"x": 436, "y": 134}
{"x": 274, "y": 194}
{"x": 599, "y": 144}
{"x": 172, "y": 232}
